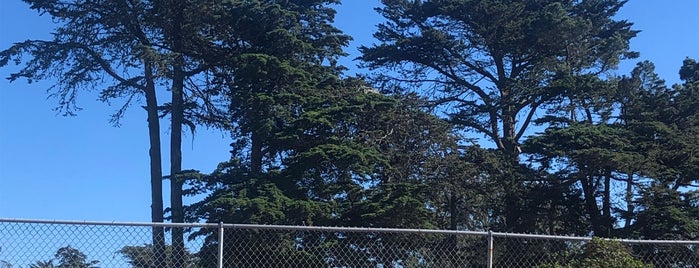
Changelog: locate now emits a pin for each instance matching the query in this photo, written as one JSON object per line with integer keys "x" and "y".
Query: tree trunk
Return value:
{"x": 453, "y": 211}
{"x": 513, "y": 185}
{"x": 176, "y": 181}
{"x": 629, "y": 200}
{"x": 607, "y": 205}
{"x": 510, "y": 149}
{"x": 591, "y": 205}
{"x": 256, "y": 154}
{"x": 177, "y": 117}
{"x": 156, "y": 171}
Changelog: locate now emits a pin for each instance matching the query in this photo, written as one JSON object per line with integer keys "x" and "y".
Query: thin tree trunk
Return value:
{"x": 156, "y": 171}
{"x": 629, "y": 200}
{"x": 453, "y": 211}
{"x": 256, "y": 153}
{"x": 177, "y": 181}
{"x": 513, "y": 183}
{"x": 607, "y": 204}
{"x": 177, "y": 116}
{"x": 591, "y": 205}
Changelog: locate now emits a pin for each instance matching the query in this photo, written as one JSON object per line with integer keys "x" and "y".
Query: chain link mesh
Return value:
{"x": 350, "y": 248}
{"x": 667, "y": 255}
{"x": 532, "y": 252}
{"x": 548, "y": 251}
{"x": 43, "y": 244}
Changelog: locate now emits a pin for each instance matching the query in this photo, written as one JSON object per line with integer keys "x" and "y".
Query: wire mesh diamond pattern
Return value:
{"x": 45, "y": 244}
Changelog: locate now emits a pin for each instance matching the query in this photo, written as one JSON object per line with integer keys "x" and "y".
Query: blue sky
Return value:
{"x": 82, "y": 168}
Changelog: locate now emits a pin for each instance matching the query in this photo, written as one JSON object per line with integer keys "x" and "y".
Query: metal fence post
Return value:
{"x": 490, "y": 249}
{"x": 220, "y": 244}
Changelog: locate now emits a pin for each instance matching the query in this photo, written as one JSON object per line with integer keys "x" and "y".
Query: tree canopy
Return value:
{"x": 479, "y": 115}
{"x": 67, "y": 257}
{"x": 494, "y": 65}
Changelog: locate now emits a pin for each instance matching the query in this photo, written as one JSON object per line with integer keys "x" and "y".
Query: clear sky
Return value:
{"x": 82, "y": 168}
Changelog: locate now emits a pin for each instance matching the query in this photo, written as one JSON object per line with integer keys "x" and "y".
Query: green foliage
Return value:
{"x": 465, "y": 190}
{"x": 667, "y": 214}
{"x": 496, "y": 65}
{"x": 589, "y": 148}
{"x": 351, "y": 156}
{"x": 67, "y": 257}
{"x": 587, "y": 155}
{"x": 690, "y": 71}
{"x": 312, "y": 148}
{"x": 78, "y": 58}
{"x": 397, "y": 204}
{"x": 600, "y": 253}
{"x": 42, "y": 264}
{"x": 665, "y": 124}
{"x": 142, "y": 256}
{"x": 650, "y": 148}
{"x": 344, "y": 153}
{"x": 125, "y": 50}
{"x": 514, "y": 47}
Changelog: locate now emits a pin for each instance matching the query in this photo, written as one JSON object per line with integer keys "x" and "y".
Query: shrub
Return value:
{"x": 600, "y": 253}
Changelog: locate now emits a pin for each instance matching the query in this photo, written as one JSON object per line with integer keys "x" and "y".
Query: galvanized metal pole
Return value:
{"x": 490, "y": 249}
{"x": 220, "y": 244}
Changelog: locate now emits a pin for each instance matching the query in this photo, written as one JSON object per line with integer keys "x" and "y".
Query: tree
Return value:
{"x": 96, "y": 43}
{"x": 142, "y": 257}
{"x": 408, "y": 144}
{"x": 640, "y": 133}
{"x": 181, "y": 25}
{"x": 43, "y": 264}
{"x": 591, "y": 156}
{"x": 351, "y": 156}
{"x": 601, "y": 253}
{"x": 277, "y": 49}
{"x": 667, "y": 214}
{"x": 281, "y": 56}
{"x": 494, "y": 63}
{"x": 136, "y": 46}
{"x": 666, "y": 123}
{"x": 586, "y": 149}
{"x": 5, "y": 264}
{"x": 494, "y": 60}
{"x": 67, "y": 257}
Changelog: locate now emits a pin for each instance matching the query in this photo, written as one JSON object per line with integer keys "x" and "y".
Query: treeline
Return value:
{"x": 477, "y": 115}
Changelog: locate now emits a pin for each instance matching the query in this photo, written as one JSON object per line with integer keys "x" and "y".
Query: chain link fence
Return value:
{"x": 45, "y": 244}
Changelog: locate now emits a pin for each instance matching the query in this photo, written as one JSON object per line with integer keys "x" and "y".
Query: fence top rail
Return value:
{"x": 112, "y": 223}
{"x": 352, "y": 229}
{"x": 246, "y": 226}
{"x": 659, "y": 242}
{"x": 540, "y": 236}
{"x": 584, "y": 239}
{"x": 341, "y": 229}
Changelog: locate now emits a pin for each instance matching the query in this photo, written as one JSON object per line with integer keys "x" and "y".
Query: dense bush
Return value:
{"x": 600, "y": 253}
